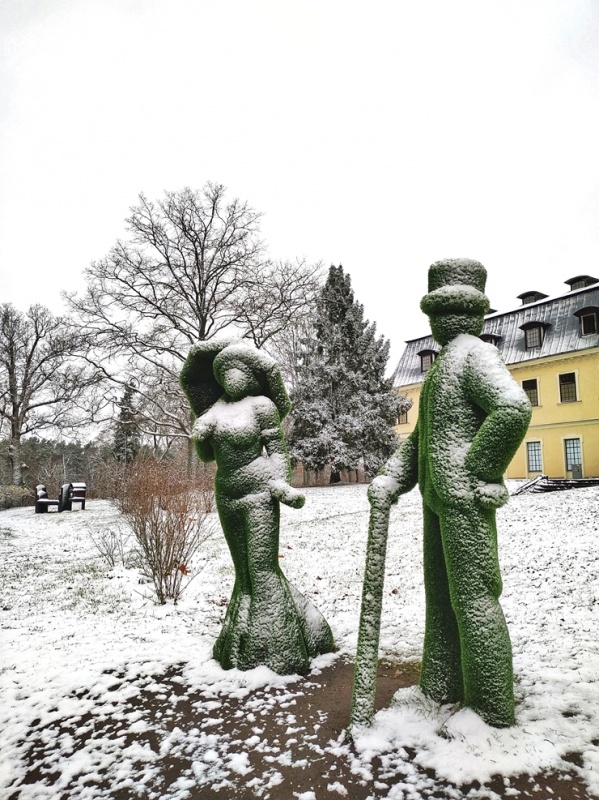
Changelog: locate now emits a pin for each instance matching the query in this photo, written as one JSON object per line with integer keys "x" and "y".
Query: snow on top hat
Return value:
{"x": 456, "y": 286}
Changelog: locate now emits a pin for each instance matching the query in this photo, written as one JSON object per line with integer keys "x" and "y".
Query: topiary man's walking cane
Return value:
{"x": 364, "y": 691}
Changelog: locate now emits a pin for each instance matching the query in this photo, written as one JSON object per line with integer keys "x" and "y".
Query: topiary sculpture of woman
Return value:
{"x": 239, "y": 399}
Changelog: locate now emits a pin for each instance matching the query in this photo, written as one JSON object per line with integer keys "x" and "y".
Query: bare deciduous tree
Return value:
{"x": 278, "y": 296}
{"x": 42, "y": 382}
{"x": 193, "y": 266}
{"x": 292, "y": 345}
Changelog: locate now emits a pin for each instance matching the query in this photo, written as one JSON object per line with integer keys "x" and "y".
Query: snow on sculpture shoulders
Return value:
{"x": 239, "y": 399}
{"x": 472, "y": 417}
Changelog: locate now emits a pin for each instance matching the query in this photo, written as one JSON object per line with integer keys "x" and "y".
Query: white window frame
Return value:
{"x": 538, "y": 389}
{"x": 540, "y": 330}
{"x": 540, "y": 443}
{"x": 430, "y": 356}
{"x": 576, "y": 387}
{"x": 589, "y": 314}
{"x": 581, "y": 440}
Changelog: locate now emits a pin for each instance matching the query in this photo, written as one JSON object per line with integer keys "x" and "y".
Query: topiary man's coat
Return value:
{"x": 472, "y": 417}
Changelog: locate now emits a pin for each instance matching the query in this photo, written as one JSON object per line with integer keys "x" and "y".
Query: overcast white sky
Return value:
{"x": 380, "y": 134}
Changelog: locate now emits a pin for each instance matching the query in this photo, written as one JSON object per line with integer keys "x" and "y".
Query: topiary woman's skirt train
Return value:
{"x": 268, "y": 621}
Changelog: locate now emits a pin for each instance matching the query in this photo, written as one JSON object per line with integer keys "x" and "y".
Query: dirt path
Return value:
{"x": 276, "y": 745}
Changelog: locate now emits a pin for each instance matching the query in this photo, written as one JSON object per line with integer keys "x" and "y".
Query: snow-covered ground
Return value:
{"x": 70, "y": 624}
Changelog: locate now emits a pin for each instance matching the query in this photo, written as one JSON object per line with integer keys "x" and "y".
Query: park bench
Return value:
{"x": 42, "y": 501}
{"x": 71, "y": 493}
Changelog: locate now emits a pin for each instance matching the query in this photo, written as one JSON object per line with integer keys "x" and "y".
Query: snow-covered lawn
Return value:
{"x": 70, "y": 624}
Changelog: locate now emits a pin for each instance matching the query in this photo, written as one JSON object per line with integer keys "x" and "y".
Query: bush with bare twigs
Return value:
{"x": 111, "y": 544}
{"x": 168, "y": 517}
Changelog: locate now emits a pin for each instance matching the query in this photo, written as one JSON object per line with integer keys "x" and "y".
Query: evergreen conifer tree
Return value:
{"x": 127, "y": 433}
{"x": 344, "y": 408}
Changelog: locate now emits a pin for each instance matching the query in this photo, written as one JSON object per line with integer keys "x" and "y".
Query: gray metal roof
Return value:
{"x": 562, "y": 335}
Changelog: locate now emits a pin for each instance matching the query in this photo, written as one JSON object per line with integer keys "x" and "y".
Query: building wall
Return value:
{"x": 412, "y": 393}
{"x": 552, "y": 421}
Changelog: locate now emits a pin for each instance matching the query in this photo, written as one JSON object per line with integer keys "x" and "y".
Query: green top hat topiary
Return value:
{"x": 456, "y": 286}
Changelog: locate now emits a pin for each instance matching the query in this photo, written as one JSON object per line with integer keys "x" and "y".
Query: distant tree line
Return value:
{"x": 193, "y": 266}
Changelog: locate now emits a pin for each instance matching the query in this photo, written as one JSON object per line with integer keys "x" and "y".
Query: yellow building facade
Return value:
{"x": 551, "y": 347}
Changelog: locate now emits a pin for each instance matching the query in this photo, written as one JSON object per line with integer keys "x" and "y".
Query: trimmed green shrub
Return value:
{"x": 472, "y": 417}
{"x": 239, "y": 398}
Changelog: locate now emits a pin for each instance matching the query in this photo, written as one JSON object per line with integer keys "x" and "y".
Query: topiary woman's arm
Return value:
{"x": 201, "y": 433}
{"x": 273, "y": 440}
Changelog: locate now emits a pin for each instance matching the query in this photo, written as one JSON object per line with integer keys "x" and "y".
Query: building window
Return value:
{"x": 573, "y": 454}
{"x": 426, "y": 359}
{"x": 533, "y": 452}
{"x": 531, "y": 389}
{"x": 529, "y": 298}
{"x": 567, "y": 387}
{"x": 533, "y": 337}
{"x": 588, "y": 324}
{"x": 402, "y": 418}
{"x": 581, "y": 282}
{"x": 491, "y": 338}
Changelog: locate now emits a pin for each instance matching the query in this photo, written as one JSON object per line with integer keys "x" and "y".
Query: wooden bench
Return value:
{"x": 42, "y": 501}
{"x": 72, "y": 493}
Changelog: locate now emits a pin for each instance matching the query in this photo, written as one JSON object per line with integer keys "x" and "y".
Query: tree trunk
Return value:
{"x": 192, "y": 459}
{"x": 14, "y": 454}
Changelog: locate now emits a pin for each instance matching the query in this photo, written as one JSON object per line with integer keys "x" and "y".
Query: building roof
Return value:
{"x": 556, "y": 315}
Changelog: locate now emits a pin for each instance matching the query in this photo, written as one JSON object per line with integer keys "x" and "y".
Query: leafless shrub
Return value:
{"x": 111, "y": 544}
{"x": 168, "y": 518}
{"x": 13, "y": 496}
{"x": 204, "y": 485}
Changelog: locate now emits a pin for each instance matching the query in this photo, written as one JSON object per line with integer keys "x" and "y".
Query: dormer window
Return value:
{"x": 531, "y": 297}
{"x": 426, "y": 359}
{"x": 491, "y": 338}
{"x": 533, "y": 337}
{"x": 588, "y": 318}
{"x": 588, "y": 324}
{"x": 581, "y": 282}
{"x": 534, "y": 333}
{"x": 528, "y": 298}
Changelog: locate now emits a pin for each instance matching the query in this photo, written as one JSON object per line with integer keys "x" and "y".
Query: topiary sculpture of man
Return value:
{"x": 239, "y": 398}
{"x": 471, "y": 420}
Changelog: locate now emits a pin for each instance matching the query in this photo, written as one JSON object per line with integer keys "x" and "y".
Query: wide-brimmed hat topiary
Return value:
{"x": 456, "y": 286}
{"x": 197, "y": 375}
{"x": 200, "y": 376}
{"x": 264, "y": 368}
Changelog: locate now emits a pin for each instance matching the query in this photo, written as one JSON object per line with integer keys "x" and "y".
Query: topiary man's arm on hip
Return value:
{"x": 508, "y": 409}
